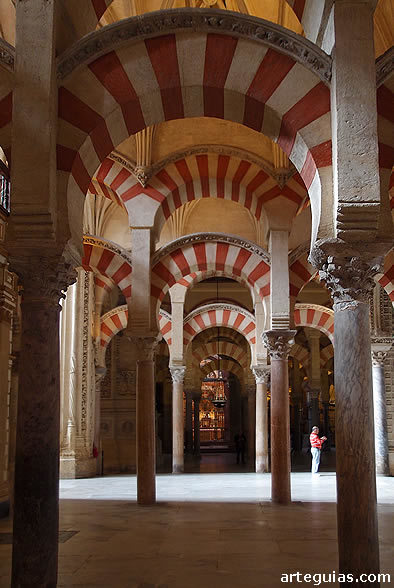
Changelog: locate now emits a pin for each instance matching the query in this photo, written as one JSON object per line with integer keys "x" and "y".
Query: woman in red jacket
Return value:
{"x": 316, "y": 443}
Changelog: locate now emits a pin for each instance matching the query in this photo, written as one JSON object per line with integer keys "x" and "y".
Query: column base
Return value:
{"x": 72, "y": 467}
{"x": 178, "y": 469}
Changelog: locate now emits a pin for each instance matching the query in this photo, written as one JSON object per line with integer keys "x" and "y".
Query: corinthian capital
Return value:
{"x": 261, "y": 374}
{"x": 145, "y": 346}
{"x": 348, "y": 269}
{"x": 279, "y": 342}
{"x": 380, "y": 346}
{"x": 177, "y": 373}
{"x": 44, "y": 277}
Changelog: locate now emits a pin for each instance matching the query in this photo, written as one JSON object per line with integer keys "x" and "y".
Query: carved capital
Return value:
{"x": 145, "y": 346}
{"x": 177, "y": 373}
{"x": 261, "y": 374}
{"x": 279, "y": 342}
{"x": 44, "y": 277}
{"x": 348, "y": 269}
{"x": 380, "y": 346}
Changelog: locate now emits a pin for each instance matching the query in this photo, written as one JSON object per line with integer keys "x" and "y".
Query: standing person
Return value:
{"x": 316, "y": 443}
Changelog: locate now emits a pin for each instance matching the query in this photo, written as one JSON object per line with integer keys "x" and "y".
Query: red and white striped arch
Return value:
{"x": 225, "y": 348}
{"x": 202, "y": 175}
{"x": 6, "y": 88}
{"x": 109, "y": 263}
{"x": 193, "y": 74}
{"x": 386, "y": 278}
{"x": 216, "y": 315}
{"x": 315, "y": 316}
{"x": 326, "y": 354}
{"x": 116, "y": 320}
{"x": 218, "y": 258}
{"x": 300, "y": 353}
{"x": 385, "y": 101}
{"x": 226, "y": 365}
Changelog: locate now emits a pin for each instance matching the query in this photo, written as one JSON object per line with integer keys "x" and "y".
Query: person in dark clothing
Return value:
{"x": 240, "y": 446}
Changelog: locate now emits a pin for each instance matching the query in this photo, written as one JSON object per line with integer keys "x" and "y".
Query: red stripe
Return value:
{"x": 6, "y": 110}
{"x": 240, "y": 261}
{"x": 105, "y": 260}
{"x": 308, "y": 170}
{"x": 76, "y": 112}
{"x": 200, "y": 321}
{"x": 226, "y": 317}
{"x": 101, "y": 140}
{"x": 322, "y": 154}
{"x": 163, "y": 55}
{"x": 116, "y": 320}
{"x": 201, "y": 256}
{"x": 184, "y": 171}
{"x": 385, "y": 102}
{"x": 189, "y": 329}
{"x": 109, "y": 71}
{"x": 127, "y": 292}
{"x": 212, "y": 317}
{"x": 241, "y": 171}
{"x": 223, "y": 162}
{"x": 166, "y": 328}
{"x": 301, "y": 271}
{"x": 221, "y": 255}
{"x": 104, "y": 168}
{"x": 163, "y": 273}
{"x": 298, "y": 8}
{"x": 87, "y": 252}
{"x": 122, "y": 176}
{"x": 240, "y": 318}
{"x": 297, "y": 319}
{"x": 181, "y": 261}
{"x": 80, "y": 174}
{"x": 323, "y": 319}
{"x": 166, "y": 209}
{"x": 386, "y": 156}
{"x": 249, "y": 328}
{"x": 292, "y": 195}
{"x": 270, "y": 194}
{"x": 167, "y": 180}
{"x": 106, "y": 330}
{"x": 264, "y": 291}
{"x": 260, "y": 270}
{"x": 65, "y": 157}
{"x": 202, "y": 164}
{"x": 312, "y": 106}
{"x": 310, "y": 313}
{"x": 100, "y": 7}
{"x": 257, "y": 181}
{"x": 122, "y": 272}
{"x": 219, "y": 54}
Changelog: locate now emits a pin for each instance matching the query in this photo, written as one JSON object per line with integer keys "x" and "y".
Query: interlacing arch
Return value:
{"x": 116, "y": 319}
{"x": 300, "y": 273}
{"x": 7, "y": 81}
{"x": 220, "y": 315}
{"x": 226, "y": 365}
{"x": 192, "y": 74}
{"x": 110, "y": 263}
{"x": 385, "y": 101}
{"x": 316, "y": 316}
{"x": 300, "y": 353}
{"x": 386, "y": 278}
{"x": 209, "y": 252}
{"x": 223, "y": 348}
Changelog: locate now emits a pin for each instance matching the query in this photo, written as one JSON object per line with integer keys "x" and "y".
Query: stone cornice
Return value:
{"x": 152, "y": 170}
{"x": 177, "y": 373}
{"x": 203, "y": 237}
{"x": 110, "y": 245}
{"x": 219, "y": 306}
{"x": 279, "y": 342}
{"x": 7, "y": 56}
{"x": 163, "y": 22}
{"x": 384, "y": 66}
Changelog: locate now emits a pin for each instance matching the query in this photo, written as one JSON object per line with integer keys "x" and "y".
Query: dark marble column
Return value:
{"x": 36, "y": 486}
{"x": 278, "y": 343}
{"x": 252, "y": 427}
{"x": 380, "y": 346}
{"x": 261, "y": 375}
{"x": 197, "y": 398}
{"x": 146, "y": 420}
{"x": 348, "y": 270}
{"x": 177, "y": 375}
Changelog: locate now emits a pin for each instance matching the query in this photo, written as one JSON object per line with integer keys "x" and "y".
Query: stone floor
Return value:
{"x": 206, "y": 531}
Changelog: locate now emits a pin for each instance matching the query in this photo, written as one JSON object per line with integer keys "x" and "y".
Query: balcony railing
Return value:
{"x": 5, "y": 201}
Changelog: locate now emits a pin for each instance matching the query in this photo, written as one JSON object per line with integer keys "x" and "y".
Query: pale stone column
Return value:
{"x": 251, "y": 426}
{"x": 145, "y": 410}
{"x": 348, "y": 271}
{"x": 78, "y": 386}
{"x": 278, "y": 343}
{"x": 177, "y": 375}
{"x": 100, "y": 372}
{"x": 36, "y": 490}
{"x": 261, "y": 374}
{"x": 189, "y": 421}
{"x": 196, "y": 399}
{"x": 325, "y": 397}
{"x": 380, "y": 347}
{"x": 313, "y": 336}
{"x": 298, "y": 400}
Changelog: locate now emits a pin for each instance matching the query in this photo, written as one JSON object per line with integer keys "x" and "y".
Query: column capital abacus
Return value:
{"x": 261, "y": 374}
{"x": 177, "y": 373}
{"x": 348, "y": 269}
{"x": 380, "y": 346}
{"x": 279, "y": 342}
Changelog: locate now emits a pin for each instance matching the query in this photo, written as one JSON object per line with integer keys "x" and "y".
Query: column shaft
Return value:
{"x": 252, "y": 427}
{"x": 36, "y": 494}
{"x": 280, "y": 435}
{"x": 146, "y": 454}
{"x": 380, "y": 418}
{"x": 189, "y": 422}
{"x": 197, "y": 425}
{"x": 178, "y": 430}
{"x": 261, "y": 428}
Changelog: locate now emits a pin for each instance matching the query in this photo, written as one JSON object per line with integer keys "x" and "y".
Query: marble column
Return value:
{"x": 261, "y": 375}
{"x": 177, "y": 375}
{"x": 196, "y": 399}
{"x": 145, "y": 411}
{"x": 36, "y": 489}
{"x": 278, "y": 343}
{"x": 100, "y": 372}
{"x": 380, "y": 347}
{"x": 252, "y": 426}
{"x": 348, "y": 271}
{"x": 313, "y": 336}
{"x": 189, "y": 421}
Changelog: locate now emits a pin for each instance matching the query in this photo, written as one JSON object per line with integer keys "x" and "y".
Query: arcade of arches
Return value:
{"x": 204, "y": 189}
